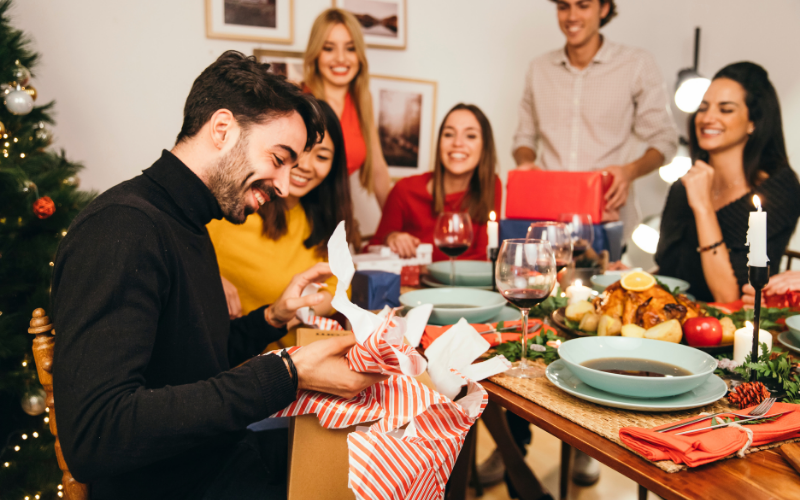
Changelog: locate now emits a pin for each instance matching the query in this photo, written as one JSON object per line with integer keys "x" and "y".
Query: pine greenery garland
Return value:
{"x": 27, "y": 248}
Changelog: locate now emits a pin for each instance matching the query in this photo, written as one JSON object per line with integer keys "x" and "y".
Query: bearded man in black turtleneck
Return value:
{"x": 155, "y": 384}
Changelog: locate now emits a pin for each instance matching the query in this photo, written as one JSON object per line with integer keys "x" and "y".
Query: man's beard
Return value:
{"x": 227, "y": 182}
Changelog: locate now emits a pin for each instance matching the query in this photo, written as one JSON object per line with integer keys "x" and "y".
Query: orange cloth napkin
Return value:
{"x": 432, "y": 332}
{"x": 704, "y": 447}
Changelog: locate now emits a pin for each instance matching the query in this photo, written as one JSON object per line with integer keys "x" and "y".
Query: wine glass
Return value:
{"x": 525, "y": 274}
{"x": 582, "y": 230}
{"x": 453, "y": 236}
{"x": 559, "y": 237}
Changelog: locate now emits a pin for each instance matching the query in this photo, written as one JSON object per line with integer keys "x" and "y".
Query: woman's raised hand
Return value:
{"x": 403, "y": 244}
{"x": 698, "y": 181}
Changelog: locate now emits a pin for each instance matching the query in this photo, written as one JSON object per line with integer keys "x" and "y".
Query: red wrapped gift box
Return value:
{"x": 541, "y": 195}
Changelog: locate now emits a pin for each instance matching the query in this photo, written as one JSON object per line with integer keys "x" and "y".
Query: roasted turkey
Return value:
{"x": 646, "y": 309}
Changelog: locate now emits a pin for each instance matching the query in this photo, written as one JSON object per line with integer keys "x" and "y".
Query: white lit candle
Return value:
{"x": 757, "y": 236}
{"x": 492, "y": 228}
{"x": 577, "y": 292}
{"x": 743, "y": 342}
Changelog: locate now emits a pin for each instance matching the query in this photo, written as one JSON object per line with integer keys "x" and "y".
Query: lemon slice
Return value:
{"x": 637, "y": 281}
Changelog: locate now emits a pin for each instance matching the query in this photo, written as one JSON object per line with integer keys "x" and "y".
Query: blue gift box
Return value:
{"x": 372, "y": 290}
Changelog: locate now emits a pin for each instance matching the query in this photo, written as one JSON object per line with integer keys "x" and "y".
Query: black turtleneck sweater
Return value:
{"x": 677, "y": 247}
{"x": 148, "y": 404}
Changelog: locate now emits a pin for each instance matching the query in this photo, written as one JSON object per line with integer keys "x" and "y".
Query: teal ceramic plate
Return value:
{"x": 712, "y": 390}
{"x": 793, "y": 323}
{"x": 452, "y": 304}
{"x": 788, "y": 340}
{"x": 601, "y": 281}
{"x": 468, "y": 272}
{"x": 427, "y": 281}
{"x": 506, "y": 314}
{"x": 576, "y": 352}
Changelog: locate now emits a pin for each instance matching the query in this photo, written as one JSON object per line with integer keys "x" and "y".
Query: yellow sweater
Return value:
{"x": 259, "y": 267}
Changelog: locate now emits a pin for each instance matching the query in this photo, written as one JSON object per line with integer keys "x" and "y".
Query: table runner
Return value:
{"x": 603, "y": 420}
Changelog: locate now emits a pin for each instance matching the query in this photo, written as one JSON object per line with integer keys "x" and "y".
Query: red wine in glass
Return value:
{"x": 525, "y": 298}
{"x": 578, "y": 250}
{"x": 561, "y": 264}
{"x": 452, "y": 234}
{"x": 453, "y": 251}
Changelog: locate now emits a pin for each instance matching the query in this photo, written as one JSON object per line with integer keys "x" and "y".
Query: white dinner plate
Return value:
{"x": 788, "y": 341}
{"x": 712, "y": 390}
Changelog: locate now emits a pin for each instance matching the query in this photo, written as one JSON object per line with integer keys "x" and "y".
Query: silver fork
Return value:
{"x": 742, "y": 421}
{"x": 755, "y": 412}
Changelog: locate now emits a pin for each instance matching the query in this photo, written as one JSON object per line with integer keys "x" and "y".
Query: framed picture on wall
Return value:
{"x": 383, "y": 22}
{"x": 286, "y": 63}
{"x": 252, "y": 20}
{"x": 405, "y": 117}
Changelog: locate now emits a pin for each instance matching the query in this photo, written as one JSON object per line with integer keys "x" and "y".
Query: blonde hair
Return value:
{"x": 359, "y": 87}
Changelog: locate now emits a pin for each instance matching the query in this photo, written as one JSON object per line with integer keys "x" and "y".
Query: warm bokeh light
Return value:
{"x": 675, "y": 169}
{"x": 492, "y": 216}
{"x": 646, "y": 238}
{"x": 690, "y": 94}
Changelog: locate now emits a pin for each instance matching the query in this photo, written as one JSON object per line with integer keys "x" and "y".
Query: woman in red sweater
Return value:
{"x": 463, "y": 179}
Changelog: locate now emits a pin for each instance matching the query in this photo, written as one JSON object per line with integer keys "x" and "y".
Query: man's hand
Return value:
{"x": 232, "y": 297}
{"x": 403, "y": 244}
{"x": 698, "y": 181}
{"x": 617, "y": 193}
{"x": 529, "y": 166}
{"x": 322, "y": 367}
{"x": 284, "y": 309}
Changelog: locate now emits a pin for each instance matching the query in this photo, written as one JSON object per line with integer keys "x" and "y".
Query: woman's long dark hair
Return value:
{"x": 325, "y": 205}
{"x": 765, "y": 150}
{"x": 479, "y": 200}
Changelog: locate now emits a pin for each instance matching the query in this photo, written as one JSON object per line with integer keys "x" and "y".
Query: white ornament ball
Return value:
{"x": 19, "y": 102}
{"x": 33, "y": 402}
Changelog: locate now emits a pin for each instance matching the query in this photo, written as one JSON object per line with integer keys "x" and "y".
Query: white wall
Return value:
{"x": 120, "y": 71}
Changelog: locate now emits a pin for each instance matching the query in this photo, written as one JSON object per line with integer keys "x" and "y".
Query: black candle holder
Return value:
{"x": 493, "y": 253}
{"x": 759, "y": 277}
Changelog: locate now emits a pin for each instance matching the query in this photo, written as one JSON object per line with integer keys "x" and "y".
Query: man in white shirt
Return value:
{"x": 590, "y": 105}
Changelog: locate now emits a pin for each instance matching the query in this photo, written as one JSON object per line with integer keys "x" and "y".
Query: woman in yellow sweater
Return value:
{"x": 286, "y": 236}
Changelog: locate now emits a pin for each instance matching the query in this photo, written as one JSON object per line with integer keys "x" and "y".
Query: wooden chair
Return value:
{"x": 43, "y": 355}
{"x": 791, "y": 254}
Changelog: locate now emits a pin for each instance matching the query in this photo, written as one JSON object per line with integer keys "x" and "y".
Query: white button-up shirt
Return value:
{"x": 581, "y": 120}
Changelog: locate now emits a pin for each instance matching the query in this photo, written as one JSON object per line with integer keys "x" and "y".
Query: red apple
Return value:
{"x": 702, "y": 332}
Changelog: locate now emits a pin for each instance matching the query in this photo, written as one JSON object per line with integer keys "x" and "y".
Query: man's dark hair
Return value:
{"x": 612, "y": 10}
{"x": 251, "y": 92}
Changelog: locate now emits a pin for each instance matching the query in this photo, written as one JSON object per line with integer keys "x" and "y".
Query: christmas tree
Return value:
{"x": 39, "y": 197}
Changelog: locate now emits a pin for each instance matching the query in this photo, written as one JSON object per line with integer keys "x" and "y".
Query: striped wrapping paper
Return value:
{"x": 389, "y": 463}
{"x": 386, "y": 462}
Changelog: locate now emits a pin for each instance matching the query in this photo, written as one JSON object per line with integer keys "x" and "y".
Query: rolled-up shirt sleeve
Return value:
{"x": 527, "y": 133}
{"x": 653, "y": 121}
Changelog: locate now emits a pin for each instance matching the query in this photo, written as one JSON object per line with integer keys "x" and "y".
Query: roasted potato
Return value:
{"x": 608, "y": 325}
{"x": 668, "y": 331}
{"x": 575, "y": 312}
{"x": 728, "y": 329}
{"x": 589, "y": 322}
{"x": 633, "y": 331}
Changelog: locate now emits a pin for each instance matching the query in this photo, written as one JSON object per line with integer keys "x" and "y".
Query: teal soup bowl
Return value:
{"x": 468, "y": 272}
{"x": 582, "y": 353}
{"x": 793, "y": 322}
{"x": 452, "y": 304}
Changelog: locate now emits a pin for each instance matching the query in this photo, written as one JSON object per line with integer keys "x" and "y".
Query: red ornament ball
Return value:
{"x": 44, "y": 207}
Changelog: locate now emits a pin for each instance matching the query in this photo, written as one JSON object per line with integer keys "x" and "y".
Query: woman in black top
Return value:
{"x": 736, "y": 141}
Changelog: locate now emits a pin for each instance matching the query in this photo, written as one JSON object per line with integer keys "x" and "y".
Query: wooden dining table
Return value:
{"x": 761, "y": 475}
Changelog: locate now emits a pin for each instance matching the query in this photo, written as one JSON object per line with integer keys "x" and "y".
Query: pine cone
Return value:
{"x": 748, "y": 394}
